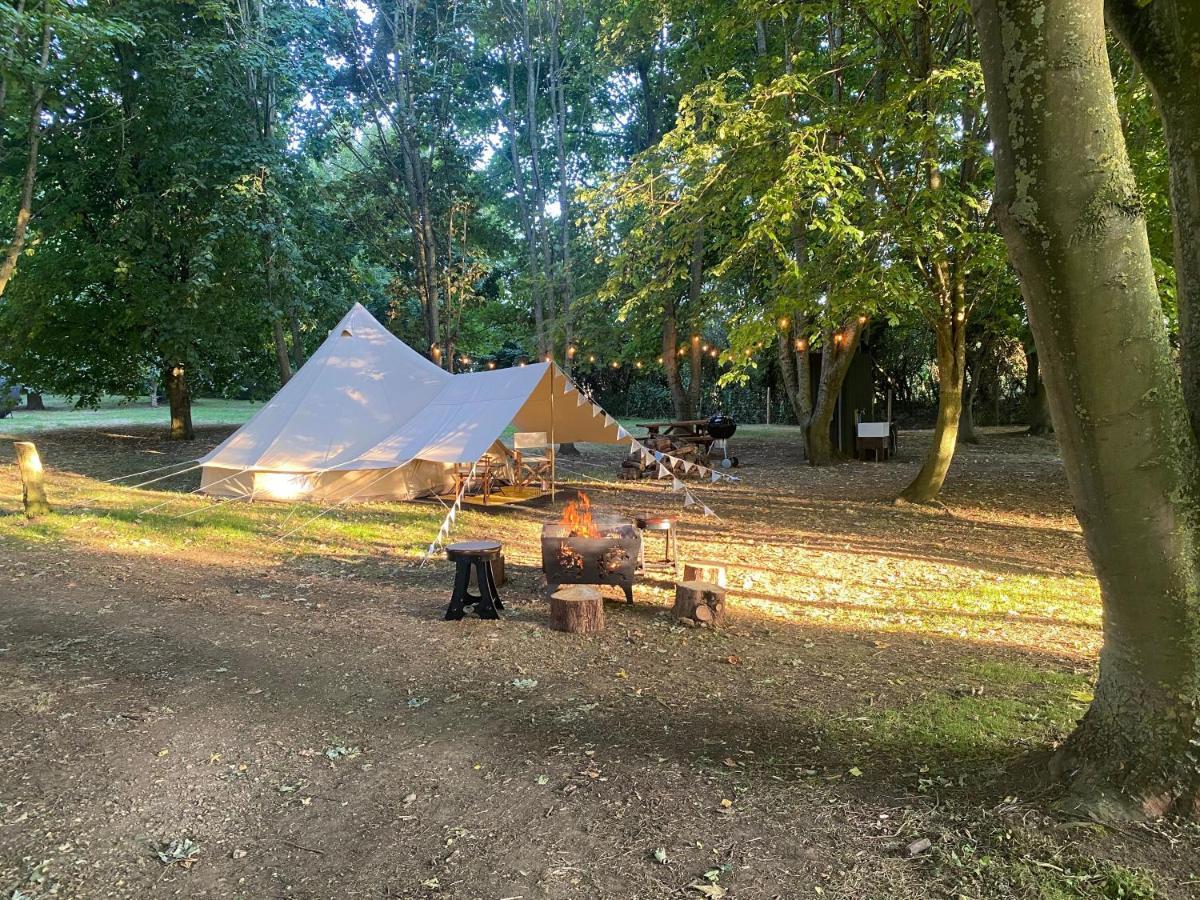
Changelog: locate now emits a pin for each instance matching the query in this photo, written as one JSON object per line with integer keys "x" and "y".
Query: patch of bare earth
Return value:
{"x": 310, "y": 723}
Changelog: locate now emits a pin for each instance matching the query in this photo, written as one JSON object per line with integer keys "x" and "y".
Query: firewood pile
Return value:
{"x": 634, "y": 468}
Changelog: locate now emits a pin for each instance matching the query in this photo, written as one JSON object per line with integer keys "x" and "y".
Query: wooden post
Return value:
{"x": 578, "y": 609}
{"x": 33, "y": 492}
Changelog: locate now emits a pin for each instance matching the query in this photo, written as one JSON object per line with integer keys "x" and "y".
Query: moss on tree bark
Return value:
{"x": 1067, "y": 206}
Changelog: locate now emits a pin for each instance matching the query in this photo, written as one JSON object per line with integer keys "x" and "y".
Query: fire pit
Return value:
{"x": 577, "y": 550}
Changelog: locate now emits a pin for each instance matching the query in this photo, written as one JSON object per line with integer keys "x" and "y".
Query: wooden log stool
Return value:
{"x": 578, "y": 609}
{"x": 699, "y": 601}
{"x": 705, "y": 570}
{"x": 481, "y": 555}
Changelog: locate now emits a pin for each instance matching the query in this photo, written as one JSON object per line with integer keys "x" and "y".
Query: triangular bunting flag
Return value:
{"x": 621, "y": 433}
{"x": 688, "y": 466}
{"x": 716, "y": 476}
{"x": 658, "y": 456}
{"x": 707, "y": 511}
{"x": 689, "y": 500}
{"x": 663, "y": 471}
{"x": 609, "y": 421}
{"x": 676, "y": 485}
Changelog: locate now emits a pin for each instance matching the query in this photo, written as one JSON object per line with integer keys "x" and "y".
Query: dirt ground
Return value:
{"x": 298, "y": 711}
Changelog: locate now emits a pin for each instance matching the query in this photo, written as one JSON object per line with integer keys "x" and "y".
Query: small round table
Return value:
{"x": 481, "y": 555}
{"x": 665, "y": 525}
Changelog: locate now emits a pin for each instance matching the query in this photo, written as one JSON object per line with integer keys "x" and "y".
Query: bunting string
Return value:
{"x": 451, "y": 517}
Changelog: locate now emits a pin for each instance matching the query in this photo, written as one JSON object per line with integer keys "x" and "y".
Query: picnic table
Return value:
{"x": 678, "y": 427}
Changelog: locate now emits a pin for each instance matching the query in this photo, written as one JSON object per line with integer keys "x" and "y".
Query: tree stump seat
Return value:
{"x": 700, "y": 602}
{"x": 706, "y": 570}
{"x": 577, "y": 609}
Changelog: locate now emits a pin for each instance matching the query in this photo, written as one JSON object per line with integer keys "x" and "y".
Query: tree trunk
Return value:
{"x": 34, "y": 402}
{"x": 8, "y": 265}
{"x": 1068, "y": 207}
{"x": 792, "y": 352}
{"x": 299, "y": 357}
{"x": 695, "y": 287}
{"x": 972, "y": 376}
{"x": 966, "y": 417}
{"x": 1162, "y": 38}
{"x": 951, "y": 356}
{"x": 180, "y": 400}
{"x": 836, "y": 353}
{"x": 670, "y": 355}
{"x": 33, "y": 489}
{"x": 281, "y": 352}
{"x": 1037, "y": 405}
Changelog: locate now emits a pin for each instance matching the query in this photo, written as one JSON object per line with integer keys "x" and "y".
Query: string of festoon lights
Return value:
{"x": 580, "y": 356}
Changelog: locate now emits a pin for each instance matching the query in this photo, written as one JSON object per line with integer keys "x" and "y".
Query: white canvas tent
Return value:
{"x": 369, "y": 418}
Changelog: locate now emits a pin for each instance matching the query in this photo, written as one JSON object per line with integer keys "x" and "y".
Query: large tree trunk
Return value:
{"x": 1162, "y": 37}
{"x": 34, "y": 402}
{"x": 181, "y": 403}
{"x": 1068, "y": 207}
{"x": 951, "y": 357}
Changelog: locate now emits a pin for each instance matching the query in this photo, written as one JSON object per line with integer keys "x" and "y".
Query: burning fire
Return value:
{"x": 577, "y": 517}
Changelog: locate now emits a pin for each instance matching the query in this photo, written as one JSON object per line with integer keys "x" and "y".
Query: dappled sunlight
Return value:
{"x": 803, "y": 547}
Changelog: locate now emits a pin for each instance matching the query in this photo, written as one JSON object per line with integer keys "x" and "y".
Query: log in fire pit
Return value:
{"x": 578, "y": 550}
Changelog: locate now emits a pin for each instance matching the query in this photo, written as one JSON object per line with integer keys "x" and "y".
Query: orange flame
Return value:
{"x": 578, "y": 518}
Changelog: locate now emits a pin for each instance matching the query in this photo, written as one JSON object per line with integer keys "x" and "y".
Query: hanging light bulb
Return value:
{"x": 704, "y": 348}
{"x": 801, "y": 345}
{"x": 862, "y": 320}
{"x": 591, "y": 357}
{"x": 491, "y": 365}
{"x": 571, "y": 352}
{"x": 639, "y": 363}
{"x": 783, "y": 322}
{"x": 616, "y": 365}
{"x": 660, "y": 359}
{"x": 713, "y": 353}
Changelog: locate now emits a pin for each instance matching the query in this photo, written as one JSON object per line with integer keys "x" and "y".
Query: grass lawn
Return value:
{"x": 283, "y": 694}
{"x": 61, "y": 414}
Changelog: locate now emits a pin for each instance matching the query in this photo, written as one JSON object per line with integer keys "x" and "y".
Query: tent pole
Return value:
{"x": 553, "y": 446}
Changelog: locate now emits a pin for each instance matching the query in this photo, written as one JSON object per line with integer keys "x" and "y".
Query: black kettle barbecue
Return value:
{"x": 720, "y": 428}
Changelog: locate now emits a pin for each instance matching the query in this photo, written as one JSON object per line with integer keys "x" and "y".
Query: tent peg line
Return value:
{"x": 173, "y": 465}
{"x": 341, "y": 502}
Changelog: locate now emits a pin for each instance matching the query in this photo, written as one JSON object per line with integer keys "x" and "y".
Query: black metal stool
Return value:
{"x": 666, "y": 525}
{"x": 481, "y": 554}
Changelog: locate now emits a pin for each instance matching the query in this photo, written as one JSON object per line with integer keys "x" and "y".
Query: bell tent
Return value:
{"x": 369, "y": 418}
